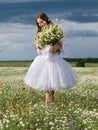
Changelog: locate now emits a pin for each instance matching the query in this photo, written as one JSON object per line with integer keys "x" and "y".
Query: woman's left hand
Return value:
{"x": 56, "y": 47}
{"x": 61, "y": 43}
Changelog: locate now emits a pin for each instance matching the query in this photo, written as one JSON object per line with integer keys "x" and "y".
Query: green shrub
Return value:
{"x": 80, "y": 64}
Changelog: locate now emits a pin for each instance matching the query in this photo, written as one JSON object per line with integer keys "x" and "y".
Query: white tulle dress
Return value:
{"x": 49, "y": 71}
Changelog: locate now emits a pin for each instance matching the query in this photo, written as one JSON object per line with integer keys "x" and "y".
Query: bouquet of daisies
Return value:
{"x": 50, "y": 34}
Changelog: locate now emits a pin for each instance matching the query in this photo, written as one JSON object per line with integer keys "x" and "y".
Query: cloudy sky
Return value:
{"x": 78, "y": 18}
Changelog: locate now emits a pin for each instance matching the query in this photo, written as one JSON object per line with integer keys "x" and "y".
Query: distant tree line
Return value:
{"x": 87, "y": 60}
{"x": 78, "y": 62}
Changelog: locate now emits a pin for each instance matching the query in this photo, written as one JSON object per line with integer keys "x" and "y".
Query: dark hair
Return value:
{"x": 44, "y": 17}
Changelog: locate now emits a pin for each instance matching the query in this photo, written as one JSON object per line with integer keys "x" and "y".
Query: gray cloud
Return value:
{"x": 79, "y": 19}
{"x": 16, "y": 41}
{"x": 76, "y": 29}
{"x": 80, "y": 11}
{"x": 17, "y": 1}
{"x": 83, "y": 33}
{"x": 82, "y": 47}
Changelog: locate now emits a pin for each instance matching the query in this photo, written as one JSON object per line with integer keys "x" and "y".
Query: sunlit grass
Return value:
{"x": 22, "y": 108}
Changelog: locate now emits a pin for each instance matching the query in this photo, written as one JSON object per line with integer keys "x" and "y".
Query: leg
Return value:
{"x": 49, "y": 97}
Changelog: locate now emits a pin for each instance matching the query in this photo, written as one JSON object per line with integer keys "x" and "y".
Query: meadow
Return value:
{"x": 23, "y": 108}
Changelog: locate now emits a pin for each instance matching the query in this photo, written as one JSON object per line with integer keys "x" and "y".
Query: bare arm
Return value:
{"x": 57, "y": 46}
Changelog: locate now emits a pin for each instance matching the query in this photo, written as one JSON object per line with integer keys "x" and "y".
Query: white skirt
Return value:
{"x": 50, "y": 72}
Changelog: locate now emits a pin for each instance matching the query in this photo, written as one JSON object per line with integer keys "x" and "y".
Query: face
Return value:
{"x": 41, "y": 22}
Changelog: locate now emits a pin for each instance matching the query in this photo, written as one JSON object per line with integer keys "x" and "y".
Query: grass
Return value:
{"x": 27, "y": 64}
{"x": 15, "y": 63}
{"x": 87, "y": 64}
{"x": 22, "y": 108}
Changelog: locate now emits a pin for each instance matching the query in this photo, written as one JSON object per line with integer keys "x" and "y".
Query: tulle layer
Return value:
{"x": 50, "y": 72}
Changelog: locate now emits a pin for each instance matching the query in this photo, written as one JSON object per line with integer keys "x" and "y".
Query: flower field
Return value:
{"x": 22, "y": 108}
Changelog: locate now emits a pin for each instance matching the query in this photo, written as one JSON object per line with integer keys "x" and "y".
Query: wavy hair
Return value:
{"x": 44, "y": 17}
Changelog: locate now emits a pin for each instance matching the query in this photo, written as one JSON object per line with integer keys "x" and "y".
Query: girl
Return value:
{"x": 49, "y": 72}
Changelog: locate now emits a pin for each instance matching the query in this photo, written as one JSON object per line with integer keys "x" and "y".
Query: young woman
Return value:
{"x": 48, "y": 71}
